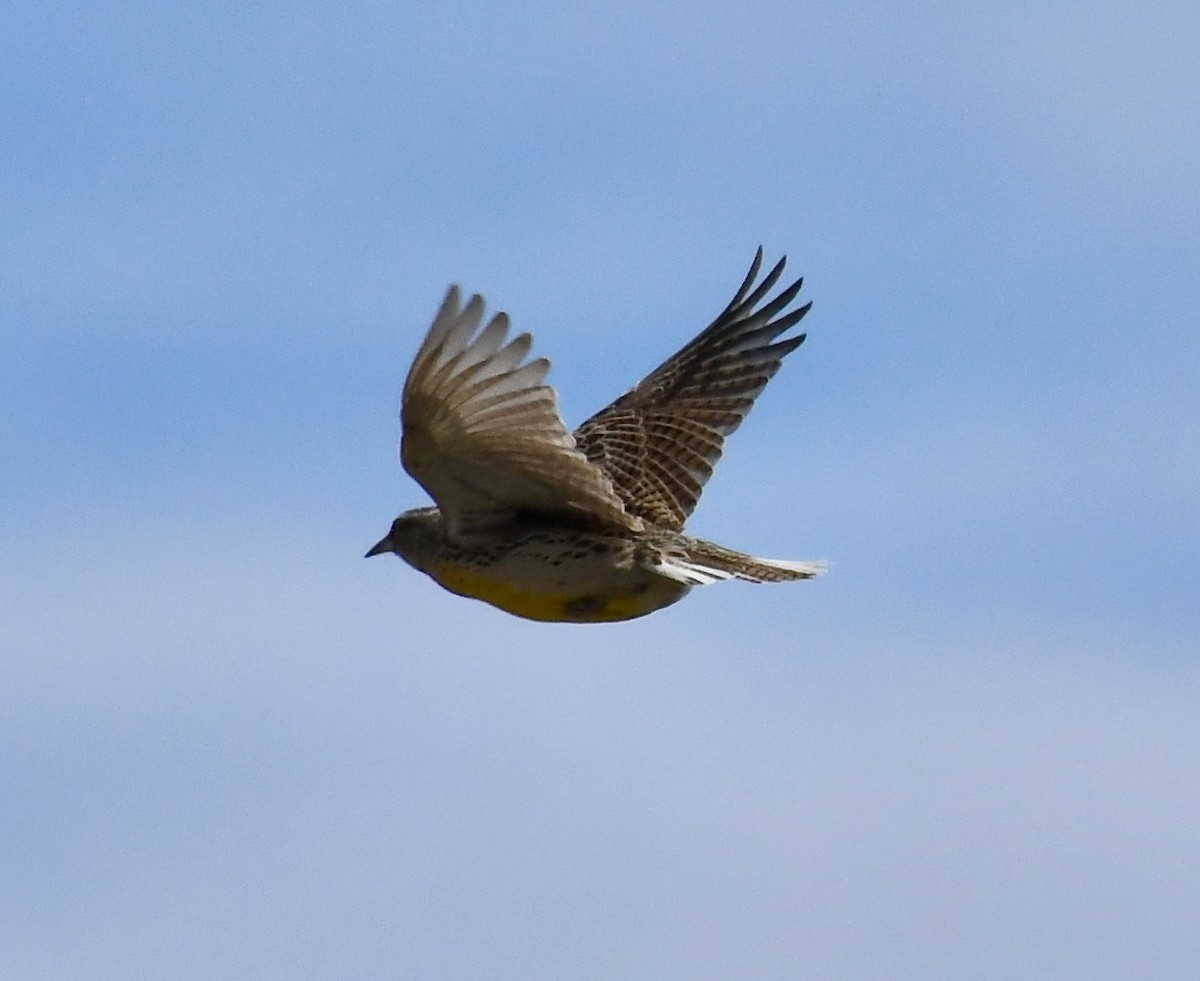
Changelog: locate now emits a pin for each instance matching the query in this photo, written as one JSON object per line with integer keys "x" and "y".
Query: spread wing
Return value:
{"x": 482, "y": 433}
{"x": 659, "y": 442}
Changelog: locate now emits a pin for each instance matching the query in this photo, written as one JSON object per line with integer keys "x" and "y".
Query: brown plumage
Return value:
{"x": 587, "y": 526}
{"x": 659, "y": 442}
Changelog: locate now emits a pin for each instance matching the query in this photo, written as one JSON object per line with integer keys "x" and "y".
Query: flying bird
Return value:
{"x": 583, "y": 527}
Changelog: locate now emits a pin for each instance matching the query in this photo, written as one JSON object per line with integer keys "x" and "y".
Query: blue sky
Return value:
{"x": 233, "y": 748}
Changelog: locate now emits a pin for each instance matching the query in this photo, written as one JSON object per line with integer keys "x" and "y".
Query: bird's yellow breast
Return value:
{"x": 641, "y": 597}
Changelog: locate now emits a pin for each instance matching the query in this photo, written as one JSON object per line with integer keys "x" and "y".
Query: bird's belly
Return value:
{"x": 579, "y": 592}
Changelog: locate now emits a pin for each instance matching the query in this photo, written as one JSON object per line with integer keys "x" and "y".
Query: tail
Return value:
{"x": 699, "y": 563}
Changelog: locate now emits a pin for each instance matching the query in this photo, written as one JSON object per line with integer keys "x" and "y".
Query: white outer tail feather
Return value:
{"x": 695, "y": 573}
{"x": 809, "y": 570}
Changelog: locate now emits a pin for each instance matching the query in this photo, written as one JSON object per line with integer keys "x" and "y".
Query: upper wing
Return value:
{"x": 659, "y": 442}
{"x": 481, "y": 432}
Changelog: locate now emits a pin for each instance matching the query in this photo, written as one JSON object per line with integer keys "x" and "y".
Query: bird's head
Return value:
{"x": 414, "y": 536}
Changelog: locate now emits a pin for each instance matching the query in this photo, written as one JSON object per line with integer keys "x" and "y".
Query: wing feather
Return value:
{"x": 482, "y": 431}
{"x": 659, "y": 442}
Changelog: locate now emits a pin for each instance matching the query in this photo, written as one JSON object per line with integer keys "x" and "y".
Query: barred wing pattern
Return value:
{"x": 659, "y": 442}
{"x": 482, "y": 433}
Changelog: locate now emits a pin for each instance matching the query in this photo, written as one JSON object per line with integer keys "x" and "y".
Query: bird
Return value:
{"x": 582, "y": 527}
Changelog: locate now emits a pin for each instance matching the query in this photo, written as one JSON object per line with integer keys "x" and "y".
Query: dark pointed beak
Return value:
{"x": 384, "y": 545}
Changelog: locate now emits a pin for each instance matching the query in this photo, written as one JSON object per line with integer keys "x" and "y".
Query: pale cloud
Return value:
{"x": 327, "y": 781}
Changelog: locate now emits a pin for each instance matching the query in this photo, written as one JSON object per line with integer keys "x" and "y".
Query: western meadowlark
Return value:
{"x": 584, "y": 527}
